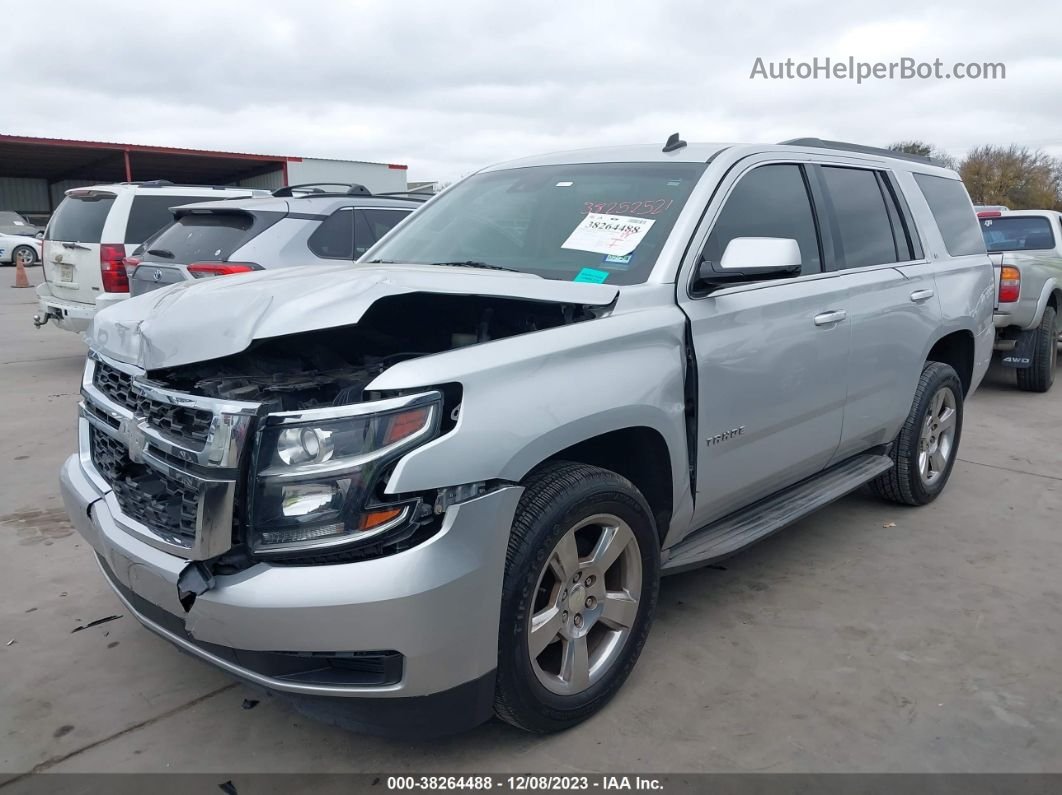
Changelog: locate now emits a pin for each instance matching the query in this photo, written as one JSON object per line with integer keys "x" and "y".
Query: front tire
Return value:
{"x": 1039, "y": 376}
{"x": 924, "y": 452}
{"x": 580, "y": 589}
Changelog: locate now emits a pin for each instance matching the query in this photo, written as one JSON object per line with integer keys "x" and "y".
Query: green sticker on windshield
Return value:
{"x": 591, "y": 275}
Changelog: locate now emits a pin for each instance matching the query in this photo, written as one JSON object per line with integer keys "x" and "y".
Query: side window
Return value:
{"x": 371, "y": 225}
{"x": 769, "y": 201}
{"x": 864, "y": 225}
{"x": 952, "y": 210}
{"x": 334, "y": 238}
{"x": 148, "y": 214}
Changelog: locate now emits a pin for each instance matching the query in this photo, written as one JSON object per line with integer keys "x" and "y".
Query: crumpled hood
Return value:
{"x": 201, "y": 320}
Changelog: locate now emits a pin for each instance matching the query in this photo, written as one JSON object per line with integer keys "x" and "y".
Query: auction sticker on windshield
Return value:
{"x": 608, "y": 234}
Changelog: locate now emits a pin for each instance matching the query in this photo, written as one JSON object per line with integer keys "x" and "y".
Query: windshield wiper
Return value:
{"x": 381, "y": 262}
{"x": 474, "y": 264}
{"x": 160, "y": 252}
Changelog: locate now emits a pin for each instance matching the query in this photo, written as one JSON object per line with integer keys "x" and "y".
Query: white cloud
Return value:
{"x": 450, "y": 87}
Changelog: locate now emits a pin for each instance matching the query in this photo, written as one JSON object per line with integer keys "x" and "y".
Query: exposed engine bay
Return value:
{"x": 334, "y": 366}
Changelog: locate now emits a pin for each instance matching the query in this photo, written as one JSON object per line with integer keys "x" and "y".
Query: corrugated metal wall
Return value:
{"x": 24, "y": 195}
{"x": 270, "y": 181}
{"x": 59, "y": 189}
{"x": 377, "y": 177}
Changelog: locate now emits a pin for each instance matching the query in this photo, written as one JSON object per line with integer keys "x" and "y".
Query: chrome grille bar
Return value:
{"x": 205, "y": 471}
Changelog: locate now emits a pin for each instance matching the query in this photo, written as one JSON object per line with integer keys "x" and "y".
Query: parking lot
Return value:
{"x": 867, "y": 638}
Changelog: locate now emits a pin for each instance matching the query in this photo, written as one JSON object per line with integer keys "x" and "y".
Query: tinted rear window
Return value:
{"x": 201, "y": 237}
{"x": 371, "y": 225}
{"x": 954, "y": 214}
{"x": 862, "y": 217}
{"x": 334, "y": 238}
{"x": 1017, "y": 233}
{"x": 149, "y": 214}
{"x": 80, "y": 219}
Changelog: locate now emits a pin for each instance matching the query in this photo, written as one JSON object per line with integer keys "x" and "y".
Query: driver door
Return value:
{"x": 772, "y": 356}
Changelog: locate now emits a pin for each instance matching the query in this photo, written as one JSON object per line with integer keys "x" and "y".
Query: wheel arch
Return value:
{"x": 957, "y": 349}
{"x": 638, "y": 453}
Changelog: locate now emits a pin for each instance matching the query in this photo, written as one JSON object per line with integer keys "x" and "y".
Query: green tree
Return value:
{"x": 1014, "y": 176}
{"x": 922, "y": 149}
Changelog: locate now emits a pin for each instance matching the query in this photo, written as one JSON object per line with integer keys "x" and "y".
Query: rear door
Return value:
{"x": 892, "y": 302}
{"x": 71, "y": 254}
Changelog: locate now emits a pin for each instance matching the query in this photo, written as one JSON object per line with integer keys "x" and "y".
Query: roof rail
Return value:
{"x": 165, "y": 183}
{"x": 818, "y": 143}
{"x": 314, "y": 189}
{"x": 414, "y": 195}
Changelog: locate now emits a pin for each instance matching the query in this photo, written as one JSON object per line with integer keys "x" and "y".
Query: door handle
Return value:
{"x": 829, "y": 318}
{"x": 921, "y": 295}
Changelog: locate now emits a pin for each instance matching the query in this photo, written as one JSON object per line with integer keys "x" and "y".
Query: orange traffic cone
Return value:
{"x": 21, "y": 279}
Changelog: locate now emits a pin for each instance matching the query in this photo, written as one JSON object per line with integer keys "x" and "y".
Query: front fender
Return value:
{"x": 526, "y": 398}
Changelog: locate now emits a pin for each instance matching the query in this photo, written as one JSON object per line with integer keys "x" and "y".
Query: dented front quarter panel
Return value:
{"x": 165, "y": 328}
{"x": 528, "y": 397}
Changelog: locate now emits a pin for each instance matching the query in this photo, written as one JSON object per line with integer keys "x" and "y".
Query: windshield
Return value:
{"x": 1017, "y": 233}
{"x": 601, "y": 222}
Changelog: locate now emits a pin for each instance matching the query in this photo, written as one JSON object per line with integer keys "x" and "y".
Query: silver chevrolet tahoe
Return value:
{"x": 445, "y": 484}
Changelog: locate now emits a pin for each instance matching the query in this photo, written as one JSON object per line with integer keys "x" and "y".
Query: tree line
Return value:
{"x": 1014, "y": 176}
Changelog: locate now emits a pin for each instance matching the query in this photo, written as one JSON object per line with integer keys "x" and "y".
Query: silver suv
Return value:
{"x": 298, "y": 225}
{"x": 444, "y": 484}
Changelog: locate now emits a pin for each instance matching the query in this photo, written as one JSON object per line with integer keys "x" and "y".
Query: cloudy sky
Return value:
{"x": 447, "y": 87}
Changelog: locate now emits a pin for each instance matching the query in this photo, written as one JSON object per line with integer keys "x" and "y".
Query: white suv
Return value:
{"x": 89, "y": 236}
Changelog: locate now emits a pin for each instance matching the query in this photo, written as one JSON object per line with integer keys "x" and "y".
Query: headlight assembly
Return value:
{"x": 317, "y": 472}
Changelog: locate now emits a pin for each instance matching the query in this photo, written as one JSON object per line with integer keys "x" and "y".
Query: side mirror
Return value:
{"x": 750, "y": 259}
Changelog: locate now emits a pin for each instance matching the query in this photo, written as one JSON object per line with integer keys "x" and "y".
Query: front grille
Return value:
{"x": 177, "y": 422}
{"x": 166, "y": 506}
{"x": 116, "y": 385}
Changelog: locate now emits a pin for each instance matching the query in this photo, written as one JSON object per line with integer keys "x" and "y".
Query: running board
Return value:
{"x": 733, "y": 533}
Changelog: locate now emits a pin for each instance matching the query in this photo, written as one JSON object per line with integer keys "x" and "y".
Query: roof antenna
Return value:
{"x": 673, "y": 143}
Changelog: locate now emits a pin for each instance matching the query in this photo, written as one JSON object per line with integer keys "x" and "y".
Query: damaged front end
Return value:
{"x": 281, "y": 453}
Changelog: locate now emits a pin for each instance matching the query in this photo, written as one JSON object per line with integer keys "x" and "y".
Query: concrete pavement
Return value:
{"x": 866, "y": 638}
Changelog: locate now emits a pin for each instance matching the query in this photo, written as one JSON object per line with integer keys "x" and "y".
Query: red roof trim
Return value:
{"x": 398, "y": 166}
{"x": 160, "y": 150}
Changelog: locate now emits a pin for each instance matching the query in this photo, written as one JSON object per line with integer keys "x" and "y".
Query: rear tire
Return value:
{"x": 924, "y": 452}
{"x": 581, "y": 578}
{"x": 24, "y": 253}
{"x": 1039, "y": 376}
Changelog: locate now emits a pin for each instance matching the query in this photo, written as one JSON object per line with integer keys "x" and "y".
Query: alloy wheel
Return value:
{"x": 937, "y": 440}
{"x": 586, "y": 603}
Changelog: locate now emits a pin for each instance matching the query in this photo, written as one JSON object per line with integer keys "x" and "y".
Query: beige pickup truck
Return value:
{"x": 1026, "y": 251}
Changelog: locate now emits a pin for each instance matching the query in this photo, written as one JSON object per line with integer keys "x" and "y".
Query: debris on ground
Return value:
{"x": 227, "y": 787}
{"x": 95, "y": 623}
{"x": 889, "y": 524}
{"x": 11, "y": 642}
{"x": 250, "y": 703}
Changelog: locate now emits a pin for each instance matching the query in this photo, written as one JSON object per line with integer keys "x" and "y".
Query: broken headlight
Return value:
{"x": 318, "y": 471}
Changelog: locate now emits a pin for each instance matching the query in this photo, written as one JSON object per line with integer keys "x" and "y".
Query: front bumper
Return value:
{"x": 436, "y": 604}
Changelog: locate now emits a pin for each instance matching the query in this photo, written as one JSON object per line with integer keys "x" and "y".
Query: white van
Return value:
{"x": 90, "y": 234}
